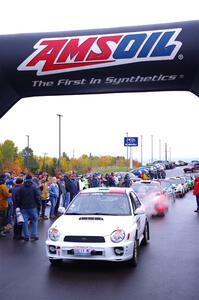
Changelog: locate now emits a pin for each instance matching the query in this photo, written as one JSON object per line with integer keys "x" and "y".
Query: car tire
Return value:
{"x": 55, "y": 262}
{"x": 134, "y": 259}
{"x": 146, "y": 234}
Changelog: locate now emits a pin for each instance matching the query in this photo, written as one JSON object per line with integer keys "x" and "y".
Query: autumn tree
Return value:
{"x": 8, "y": 154}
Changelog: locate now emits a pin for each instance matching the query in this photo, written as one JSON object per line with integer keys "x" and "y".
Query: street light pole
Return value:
{"x": 127, "y": 151}
{"x": 28, "y": 137}
{"x": 59, "y": 163}
{"x": 169, "y": 153}
{"x": 44, "y": 161}
{"x": 151, "y": 148}
{"x": 141, "y": 149}
{"x": 165, "y": 151}
{"x": 160, "y": 156}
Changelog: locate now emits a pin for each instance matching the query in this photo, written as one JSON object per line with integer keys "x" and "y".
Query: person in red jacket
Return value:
{"x": 196, "y": 192}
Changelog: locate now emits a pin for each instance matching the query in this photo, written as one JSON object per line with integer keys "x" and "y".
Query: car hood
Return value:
{"x": 92, "y": 225}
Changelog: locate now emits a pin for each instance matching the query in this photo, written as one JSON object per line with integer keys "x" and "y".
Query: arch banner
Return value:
{"x": 161, "y": 57}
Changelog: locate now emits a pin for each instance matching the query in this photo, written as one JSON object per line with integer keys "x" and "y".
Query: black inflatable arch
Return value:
{"x": 162, "y": 57}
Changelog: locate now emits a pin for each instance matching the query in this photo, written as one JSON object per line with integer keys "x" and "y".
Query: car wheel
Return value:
{"x": 146, "y": 234}
{"x": 134, "y": 259}
{"x": 55, "y": 262}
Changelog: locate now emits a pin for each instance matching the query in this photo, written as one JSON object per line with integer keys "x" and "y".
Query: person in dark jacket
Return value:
{"x": 127, "y": 180}
{"x": 68, "y": 187}
{"x": 74, "y": 186}
{"x": 95, "y": 181}
{"x": 17, "y": 228}
{"x": 28, "y": 200}
{"x": 111, "y": 179}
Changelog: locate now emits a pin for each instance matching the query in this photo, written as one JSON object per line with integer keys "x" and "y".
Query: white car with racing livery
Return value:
{"x": 106, "y": 224}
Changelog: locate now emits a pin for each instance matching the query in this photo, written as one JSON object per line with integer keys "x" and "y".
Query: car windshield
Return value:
{"x": 183, "y": 180}
{"x": 146, "y": 188}
{"x": 175, "y": 181}
{"x": 165, "y": 184}
{"x": 100, "y": 204}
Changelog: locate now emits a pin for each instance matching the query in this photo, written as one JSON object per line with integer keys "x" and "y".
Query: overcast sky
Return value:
{"x": 97, "y": 124}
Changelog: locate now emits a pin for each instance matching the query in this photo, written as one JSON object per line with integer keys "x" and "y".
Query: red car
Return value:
{"x": 153, "y": 197}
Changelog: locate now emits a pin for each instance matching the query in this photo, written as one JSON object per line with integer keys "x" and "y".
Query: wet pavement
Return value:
{"x": 167, "y": 268}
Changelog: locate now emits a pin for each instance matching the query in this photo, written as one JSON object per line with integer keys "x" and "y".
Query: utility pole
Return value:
{"x": 59, "y": 162}
{"x": 27, "y": 156}
{"x": 160, "y": 150}
{"x": 44, "y": 161}
{"x": 152, "y": 148}
{"x": 127, "y": 152}
{"x": 169, "y": 153}
{"x": 141, "y": 154}
{"x": 165, "y": 151}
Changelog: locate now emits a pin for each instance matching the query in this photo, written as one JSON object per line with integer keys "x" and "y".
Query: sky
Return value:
{"x": 97, "y": 124}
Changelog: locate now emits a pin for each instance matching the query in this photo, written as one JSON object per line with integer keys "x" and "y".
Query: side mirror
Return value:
{"x": 139, "y": 211}
{"x": 61, "y": 210}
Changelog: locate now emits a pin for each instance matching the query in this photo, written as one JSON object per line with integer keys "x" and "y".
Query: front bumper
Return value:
{"x": 179, "y": 193}
{"x": 86, "y": 251}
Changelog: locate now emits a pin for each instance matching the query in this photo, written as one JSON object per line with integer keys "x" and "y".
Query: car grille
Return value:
{"x": 84, "y": 239}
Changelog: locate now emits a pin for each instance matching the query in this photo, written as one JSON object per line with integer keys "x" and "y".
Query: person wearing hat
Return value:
{"x": 28, "y": 200}
{"x": 4, "y": 195}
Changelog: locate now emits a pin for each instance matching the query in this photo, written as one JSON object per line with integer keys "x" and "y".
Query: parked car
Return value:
{"x": 106, "y": 224}
{"x": 160, "y": 162}
{"x": 181, "y": 163}
{"x": 177, "y": 185}
{"x": 184, "y": 183}
{"x": 191, "y": 167}
{"x": 190, "y": 181}
{"x": 153, "y": 197}
{"x": 168, "y": 188}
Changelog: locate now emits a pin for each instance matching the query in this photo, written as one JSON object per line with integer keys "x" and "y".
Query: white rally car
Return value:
{"x": 99, "y": 224}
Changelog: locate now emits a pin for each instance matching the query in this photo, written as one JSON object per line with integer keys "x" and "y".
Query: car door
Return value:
{"x": 140, "y": 219}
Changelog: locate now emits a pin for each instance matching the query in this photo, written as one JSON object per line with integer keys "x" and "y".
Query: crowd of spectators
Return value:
{"x": 30, "y": 195}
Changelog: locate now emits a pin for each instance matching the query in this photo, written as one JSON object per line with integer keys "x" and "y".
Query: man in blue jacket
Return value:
{"x": 28, "y": 200}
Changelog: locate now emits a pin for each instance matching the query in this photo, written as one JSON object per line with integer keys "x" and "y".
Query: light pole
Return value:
{"x": 141, "y": 150}
{"x": 44, "y": 161}
{"x": 160, "y": 149}
{"x": 127, "y": 151}
{"x": 59, "y": 162}
{"x": 169, "y": 153}
{"x": 27, "y": 155}
{"x": 165, "y": 151}
{"x": 151, "y": 148}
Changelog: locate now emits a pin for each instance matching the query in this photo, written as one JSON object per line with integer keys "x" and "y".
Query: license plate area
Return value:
{"x": 82, "y": 251}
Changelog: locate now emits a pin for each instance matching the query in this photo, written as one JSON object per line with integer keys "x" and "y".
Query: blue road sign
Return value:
{"x": 131, "y": 141}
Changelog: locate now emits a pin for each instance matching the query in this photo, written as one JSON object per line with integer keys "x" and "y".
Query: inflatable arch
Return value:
{"x": 162, "y": 57}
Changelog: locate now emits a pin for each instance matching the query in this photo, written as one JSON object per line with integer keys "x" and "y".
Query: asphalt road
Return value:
{"x": 167, "y": 269}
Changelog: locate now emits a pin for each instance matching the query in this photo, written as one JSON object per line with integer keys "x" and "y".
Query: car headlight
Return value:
{"x": 54, "y": 234}
{"x": 117, "y": 236}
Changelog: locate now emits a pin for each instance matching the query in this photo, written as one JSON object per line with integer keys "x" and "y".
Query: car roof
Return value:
{"x": 115, "y": 190}
{"x": 149, "y": 182}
